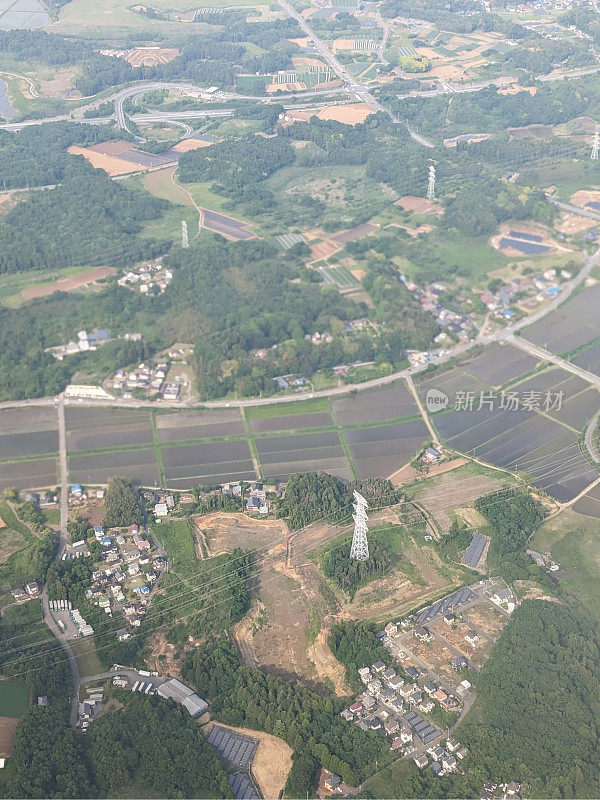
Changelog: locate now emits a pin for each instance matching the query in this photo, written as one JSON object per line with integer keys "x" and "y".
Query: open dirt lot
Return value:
{"x": 8, "y": 726}
{"x": 224, "y": 532}
{"x": 455, "y": 636}
{"x": 110, "y": 164}
{"x": 185, "y": 145}
{"x": 570, "y": 223}
{"x": 351, "y": 114}
{"x": 584, "y": 196}
{"x": 455, "y": 490}
{"x": 67, "y": 284}
{"x": 437, "y": 657}
{"x": 487, "y": 619}
{"x": 418, "y": 205}
{"x": 272, "y": 762}
{"x": 150, "y": 57}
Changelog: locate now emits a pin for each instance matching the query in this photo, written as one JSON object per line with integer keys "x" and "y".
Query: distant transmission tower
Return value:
{"x": 431, "y": 184}
{"x": 596, "y": 145}
{"x": 184, "y": 235}
{"x": 360, "y": 546}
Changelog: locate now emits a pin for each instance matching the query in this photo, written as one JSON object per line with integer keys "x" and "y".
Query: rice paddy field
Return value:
{"x": 360, "y": 435}
{"x": 370, "y": 434}
{"x": 535, "y": 429}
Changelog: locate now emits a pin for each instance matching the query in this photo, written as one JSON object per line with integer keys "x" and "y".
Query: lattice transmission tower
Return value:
{"x": 184, "y": 235}
{"x": 360, "y": 546}
{"x": 431, "y": 183}
{"x": 596, "y": 145}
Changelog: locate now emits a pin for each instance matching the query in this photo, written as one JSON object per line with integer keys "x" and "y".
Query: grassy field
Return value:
{"x": 288, "y": 409}
{"x": 97, "y": 20}
{"x": 12, "y": 285}
{"x": 88, "y": 662}
{"x": 176, "y": 538}
{"x": 574, "y": 541}
{"x": 24, "y": 614}
{"x": 568, "y": 177}
{"x": 14, "y": 697}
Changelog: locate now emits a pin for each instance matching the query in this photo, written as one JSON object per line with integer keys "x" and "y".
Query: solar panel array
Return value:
{"x": 242, "y": 787}
{"x": 233, "y": 747}
{"x": 422, "y": 727}
{"x": 528, "y": 237}
{"x": 449, "y": 603}
{"x": 475, "y": 550}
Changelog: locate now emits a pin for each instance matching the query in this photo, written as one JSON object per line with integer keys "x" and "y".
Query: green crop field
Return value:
{"x": 288, "y": 409}
{"x": 14, "y": 697}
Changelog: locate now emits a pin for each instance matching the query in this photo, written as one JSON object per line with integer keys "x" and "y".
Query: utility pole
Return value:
{"x": 431, "y": 183}
{"x": 360, "y": 546}
{"x": 184, "y": 235}
{"x": 596, "y": 145}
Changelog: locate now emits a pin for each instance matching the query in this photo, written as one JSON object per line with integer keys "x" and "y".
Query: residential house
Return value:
{"x": 504, "y": 597}
{"x": 426, "y": 706}
{"x": 415, "y": 698}
{"x": 391, "y": 629}
{"x": 357, "y": 707}
{"x": 387, "y": 695}
{"x": 396, "y": 744}
{"x": 406, "y": 734}
{"x": 449, "y": 762}
{"x": 369, "y": 702}
{"x": 375, "y": 686}
{"x": 452, "y": 745}
{"x": 347, "y": 715}
{"x": 462, "y": 753}
{"x": 436, "y": 752}
{"x": 464, "y": 687}
{"x": 449, "y": 618}
{"x": 396, "y": 683}
{"x": 423, "y": 634}
{"x": 458, "y": 663}
{"x": 391, "y": 726}
{"x": 412, "y": 673}
{"x": 19, "y": 594}
{"x": 421, "y": 761}
{"x": 378, "y": 666}
{"x": 32, "y": 589}
{"x": 472, "y": 637}
{"x": 436, "y": 768}
{"x": 430, "y": 687}
{"x": 375, "y": 724}
{"x": 388, "y": 674}
{"x": 332, "y": 782}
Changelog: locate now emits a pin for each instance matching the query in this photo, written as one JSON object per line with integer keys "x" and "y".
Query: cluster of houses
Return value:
{"x": 295, "y": 382}
{"x": 502, "y": 791}
{"x": 85, "y": 341}
{"x": 150, "y": 279}
{"x": 528, "y": 292}
{"x": 428, "y": 297}
{"x": 149, "y": 378}
{"x": 548, "y": 564}
{"x": 392, "y": 704}
{"x": 128, "y": 566}
{"x": 255, "y": 495}
{"x": 21, "y": 595}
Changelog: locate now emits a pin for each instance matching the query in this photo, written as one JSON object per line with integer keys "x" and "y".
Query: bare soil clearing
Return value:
{"x": 272, "y": 762}
{"x": 68, "y": 284}
{"x": 351, "y": 114}
{"x": 8, "y": 726}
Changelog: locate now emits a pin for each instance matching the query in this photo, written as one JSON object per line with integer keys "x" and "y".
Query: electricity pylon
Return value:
{"x": 360, "y": 546}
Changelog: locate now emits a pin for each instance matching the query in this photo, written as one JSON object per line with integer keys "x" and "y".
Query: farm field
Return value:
{"x": 95, "y": 428}
{"x": 138, "y": 465}
{"x": 16, "y": 289}
{"x": 33, "y": 474}
{"x": 198, "y": 425}
{"x": 571, "y": 326}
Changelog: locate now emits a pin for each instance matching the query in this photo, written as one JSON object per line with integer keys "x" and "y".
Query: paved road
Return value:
{"x": 506, "y": 334}
{"x": 64, "y": 515}
{"x": 582, "y": 212}
{"x": 589, "y": 437}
